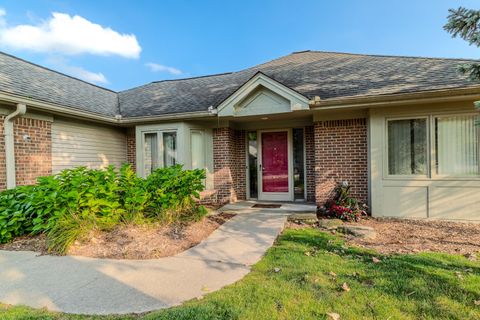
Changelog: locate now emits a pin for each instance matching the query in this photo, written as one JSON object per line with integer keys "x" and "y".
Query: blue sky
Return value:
{"x": 120, "y": 44}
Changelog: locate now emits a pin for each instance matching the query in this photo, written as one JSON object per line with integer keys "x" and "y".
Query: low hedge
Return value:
{"x": 70, "y": 204}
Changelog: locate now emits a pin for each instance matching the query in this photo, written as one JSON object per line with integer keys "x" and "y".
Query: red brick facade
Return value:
{"x": 3, "y": 169}
{"x": 229, "y": 164}
{"x": 335, "y": 151}
{"x": 310, "y": 162}
{"x": 33, "y": 149}
{"x": 131, "y": 147}
{"x": 341, "y": 155}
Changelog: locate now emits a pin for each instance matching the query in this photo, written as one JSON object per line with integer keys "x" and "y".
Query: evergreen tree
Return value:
{"x": 465, "y": 23}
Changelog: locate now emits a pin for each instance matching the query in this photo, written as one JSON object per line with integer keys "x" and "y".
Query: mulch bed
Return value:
{"x": 412, "y": 236}
{"x": 131, "y": 241}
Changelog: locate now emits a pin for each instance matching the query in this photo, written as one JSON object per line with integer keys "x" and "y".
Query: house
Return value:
{"x": 400, "y": 130}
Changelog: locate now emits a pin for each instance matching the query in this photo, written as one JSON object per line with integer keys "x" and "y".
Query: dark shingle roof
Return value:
{"x": 311, "y": 73}
{"x": 26, "y": 79}
{"x": 326, "y": 74}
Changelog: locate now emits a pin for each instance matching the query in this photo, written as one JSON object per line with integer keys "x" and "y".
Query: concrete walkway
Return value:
{"x": 104, "y": 286}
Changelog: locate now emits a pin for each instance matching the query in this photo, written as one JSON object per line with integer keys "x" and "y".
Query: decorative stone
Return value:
{"x": 358, "y": 231}
{"x": 308, "y": 218}
{"x": 330, "y": 224}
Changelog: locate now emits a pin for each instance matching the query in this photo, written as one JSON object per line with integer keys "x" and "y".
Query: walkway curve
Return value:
{"x": 105, "y": 286}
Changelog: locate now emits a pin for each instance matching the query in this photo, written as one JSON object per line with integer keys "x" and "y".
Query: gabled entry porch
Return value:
{"x": 275, "y": 123}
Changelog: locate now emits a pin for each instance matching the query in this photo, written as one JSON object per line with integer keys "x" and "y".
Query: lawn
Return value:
{"x": 295, "y": 281}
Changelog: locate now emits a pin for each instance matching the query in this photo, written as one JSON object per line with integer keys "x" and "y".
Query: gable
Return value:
{"x": 262, "y": 101}
{"x": 262, "y": 95}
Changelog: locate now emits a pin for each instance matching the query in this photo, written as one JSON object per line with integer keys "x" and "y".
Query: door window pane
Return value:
{"x": 253, "y": 163}
{"x": 457, "y": 146}
{"x": 198, "y": 150}
{"x": 298, "y": 164}
{"x": 407, "y": 147}
{"x": 169, "y": 149}
{"x": 150, "y": 152}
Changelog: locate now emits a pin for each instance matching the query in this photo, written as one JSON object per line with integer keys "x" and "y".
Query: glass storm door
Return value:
{"x": 275, "y": 166}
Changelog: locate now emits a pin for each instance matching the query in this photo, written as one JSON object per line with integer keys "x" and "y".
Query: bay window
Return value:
{"x": 452, "y": 141}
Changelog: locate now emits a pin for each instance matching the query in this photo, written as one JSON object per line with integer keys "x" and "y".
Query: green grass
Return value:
{"x": 421, "y": 286}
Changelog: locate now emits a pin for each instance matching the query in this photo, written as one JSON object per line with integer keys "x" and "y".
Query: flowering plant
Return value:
{"x": 343, "y": 206}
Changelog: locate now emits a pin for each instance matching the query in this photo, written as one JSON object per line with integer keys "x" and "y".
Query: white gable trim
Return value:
{"x": 297, "y": 101}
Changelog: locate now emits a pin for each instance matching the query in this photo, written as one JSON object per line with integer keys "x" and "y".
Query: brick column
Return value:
{"x": 131, "y": 148}
{"x": 33, "y": 157}
{"x": 341, "y": 155}
{"x": 310, "y": 163}
{"x": 229, "y": 163}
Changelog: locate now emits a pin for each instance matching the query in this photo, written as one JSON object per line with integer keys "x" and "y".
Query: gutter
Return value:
{"x": 463, "y": 94}
{"x": 10, "y": 144}
{"x": 458, "y": 94}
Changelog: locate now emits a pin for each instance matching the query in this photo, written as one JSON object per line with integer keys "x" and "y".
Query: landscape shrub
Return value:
{"x": 343, "y": 206}
{"x": 69, "y": 205}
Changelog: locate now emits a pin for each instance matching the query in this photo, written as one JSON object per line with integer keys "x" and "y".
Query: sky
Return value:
{"x": 123, "y": 44}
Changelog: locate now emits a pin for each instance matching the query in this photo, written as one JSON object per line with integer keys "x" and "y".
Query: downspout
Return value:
{"x": 10, "y": 144}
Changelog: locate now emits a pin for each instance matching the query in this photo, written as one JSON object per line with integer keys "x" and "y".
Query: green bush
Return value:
{"x": 69, "y": 205}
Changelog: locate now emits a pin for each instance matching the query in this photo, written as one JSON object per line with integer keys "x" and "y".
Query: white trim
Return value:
{"x": 297, "y": 101}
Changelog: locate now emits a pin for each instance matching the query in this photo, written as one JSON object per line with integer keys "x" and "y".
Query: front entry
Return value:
{"x": 275, "y": 165}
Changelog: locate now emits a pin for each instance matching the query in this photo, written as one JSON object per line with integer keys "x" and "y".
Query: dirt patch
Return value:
{"x": 412, "y": 236}
{"x": 27, "y": 243}
{"x": 133, "y": 242}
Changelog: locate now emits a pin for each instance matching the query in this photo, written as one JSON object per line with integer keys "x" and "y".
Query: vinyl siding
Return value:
{"x": 80, "y": 144}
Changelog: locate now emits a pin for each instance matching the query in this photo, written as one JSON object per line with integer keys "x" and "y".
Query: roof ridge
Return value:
{"x": 57, "y": 72}
{"x": 383, "y": 55}
{"x": 173, "y": 80}
{"x": 197, "y": 77}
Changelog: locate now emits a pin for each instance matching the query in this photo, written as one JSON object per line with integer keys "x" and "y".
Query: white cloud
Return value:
{"x": 94, "y": 77}
{"x": 63, "y": 65}
{"x": 155, "y": 67}
{"x": 69, "y": 35}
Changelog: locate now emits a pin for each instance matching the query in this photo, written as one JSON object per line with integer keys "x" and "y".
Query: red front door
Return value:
{"x": 275, "y": 162}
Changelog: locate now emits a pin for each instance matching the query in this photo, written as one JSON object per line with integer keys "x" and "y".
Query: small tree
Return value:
{"x": 465, "y": 23}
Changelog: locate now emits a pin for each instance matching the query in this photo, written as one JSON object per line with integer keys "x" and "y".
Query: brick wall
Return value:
{"x": 229, "y": 163}
{"x": 131, "y": 147}
{"x": 33, "y": 158}
{"x": 310, "y": 162}
{"x": 3, "y": 169}
{"x": 341, "y": 155}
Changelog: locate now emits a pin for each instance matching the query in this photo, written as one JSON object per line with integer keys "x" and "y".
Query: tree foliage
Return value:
{"x": 465, "y": 23}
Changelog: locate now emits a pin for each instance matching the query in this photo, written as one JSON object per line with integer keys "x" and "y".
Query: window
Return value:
{"x": 159, "y": 150}
{"x": 407, "y": 147}
{"x": 169, "y": 149}
{"x": 457, "y": 146}
{"x": 298, "y": 164}
{"x": 198, "y": 149}
{"x": 150, "y": 153}
{"x": 252, "y": 163}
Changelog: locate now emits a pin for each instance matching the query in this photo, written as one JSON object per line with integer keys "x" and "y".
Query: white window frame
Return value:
{"x": 386, "y": 172}
{"x": 159, "y": 133}
{"x": 434, "y": 173}
{"x": 202, "y": 132}
{"x": 431, "y": 151}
